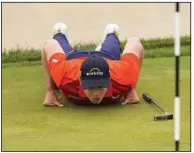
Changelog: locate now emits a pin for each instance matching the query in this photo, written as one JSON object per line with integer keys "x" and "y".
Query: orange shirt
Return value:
{"x": 65, "y": 73}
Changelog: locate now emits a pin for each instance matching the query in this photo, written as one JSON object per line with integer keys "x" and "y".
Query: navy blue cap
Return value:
{"x": 95, "y": 73}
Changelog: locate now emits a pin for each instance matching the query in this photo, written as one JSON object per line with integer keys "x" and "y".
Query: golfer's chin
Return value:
{"x": 96, "y": 100}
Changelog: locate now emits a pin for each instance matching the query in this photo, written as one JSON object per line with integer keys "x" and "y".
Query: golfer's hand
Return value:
{"x": 51, "y": 100}
{"x": 132, "y": 97}
{"x": 128, "y": 101}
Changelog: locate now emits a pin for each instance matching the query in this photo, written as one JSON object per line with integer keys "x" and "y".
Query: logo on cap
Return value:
{"x": 94, "y": 72}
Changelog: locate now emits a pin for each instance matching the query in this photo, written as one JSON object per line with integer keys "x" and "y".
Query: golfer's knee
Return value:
{"x": 134, "y": 46}
{"x": 49, "y": 45}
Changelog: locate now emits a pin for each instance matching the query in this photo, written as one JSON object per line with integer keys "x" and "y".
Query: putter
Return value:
{"x": 165, "y": 116}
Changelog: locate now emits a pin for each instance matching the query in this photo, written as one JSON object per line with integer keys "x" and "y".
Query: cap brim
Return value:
{"x": 88, "y": 83}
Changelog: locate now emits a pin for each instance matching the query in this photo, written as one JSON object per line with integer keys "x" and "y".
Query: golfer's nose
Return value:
{"x": 96, "y": 95}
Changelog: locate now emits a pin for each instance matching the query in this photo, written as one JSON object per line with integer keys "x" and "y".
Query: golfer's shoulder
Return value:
{"x": 76, "y": 61}
{"x": 74, "y": 64}
{"x": 115, "y": 64}
{"x": 127, "y": 60}
{"x": 121, "y": 68}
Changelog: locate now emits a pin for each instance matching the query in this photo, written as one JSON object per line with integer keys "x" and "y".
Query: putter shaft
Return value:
{"x": 158, "y": 107}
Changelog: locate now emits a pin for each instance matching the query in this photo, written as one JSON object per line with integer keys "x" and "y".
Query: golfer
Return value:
{"x": 91, "y": 77}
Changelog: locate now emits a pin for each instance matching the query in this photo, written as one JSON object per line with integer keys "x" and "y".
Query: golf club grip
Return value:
{"x": 147, "y": 97}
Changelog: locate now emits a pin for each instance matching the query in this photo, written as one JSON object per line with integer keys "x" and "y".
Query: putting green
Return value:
{"x": 28, "y": 126}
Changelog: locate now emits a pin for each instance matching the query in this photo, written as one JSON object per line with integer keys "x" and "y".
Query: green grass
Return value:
{"x": 28, "y": 126}
{"x": 164, "y": 42}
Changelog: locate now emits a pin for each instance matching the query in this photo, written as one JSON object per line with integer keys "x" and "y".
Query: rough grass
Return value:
{"x": 28, "y": 126}
{"x": 157, "y": 47}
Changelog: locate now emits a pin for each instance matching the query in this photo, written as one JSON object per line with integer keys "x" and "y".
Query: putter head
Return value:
{"x": 163, "y": 117}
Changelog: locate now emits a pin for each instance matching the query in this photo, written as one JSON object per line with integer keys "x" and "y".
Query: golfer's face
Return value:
{"x": 95, "y": 94}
